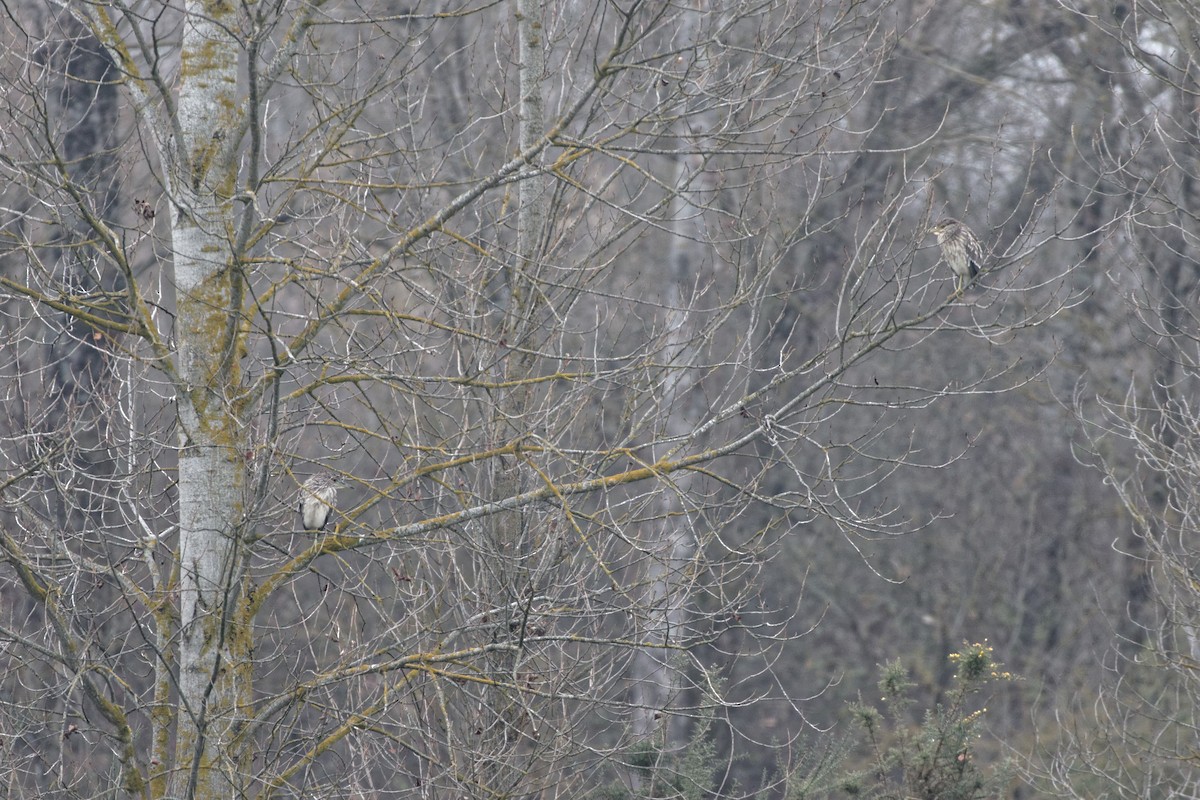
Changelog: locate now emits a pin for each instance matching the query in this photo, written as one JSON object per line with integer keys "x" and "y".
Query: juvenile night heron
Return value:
{"x": 317, "y": 497}
{"x": 960, "y": 250}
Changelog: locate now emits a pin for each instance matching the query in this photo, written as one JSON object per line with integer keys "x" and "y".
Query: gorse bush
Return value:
{"x": 934, "y": 759}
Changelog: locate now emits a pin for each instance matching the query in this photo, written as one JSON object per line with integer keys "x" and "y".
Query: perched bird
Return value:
{"x": 960, "y": 250}
{"x": 317, "y": 497}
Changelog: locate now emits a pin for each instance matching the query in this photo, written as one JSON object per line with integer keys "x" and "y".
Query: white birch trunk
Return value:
{"x": 212, "y": 665}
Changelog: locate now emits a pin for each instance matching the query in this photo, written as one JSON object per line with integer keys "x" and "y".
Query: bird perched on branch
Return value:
{"x": 317, "y": 497}
{"x": 961, "y": 250}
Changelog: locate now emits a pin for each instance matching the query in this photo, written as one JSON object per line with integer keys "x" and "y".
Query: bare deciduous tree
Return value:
{"x": 551, "y": 287}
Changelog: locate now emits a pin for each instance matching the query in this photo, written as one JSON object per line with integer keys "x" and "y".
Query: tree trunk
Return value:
{"x": 214, "y": 673}
{"x": 656, "y": 673}
{"x": 506, "y": 761}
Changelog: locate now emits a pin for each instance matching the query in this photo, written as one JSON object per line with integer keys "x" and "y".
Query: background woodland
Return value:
{"x": 673, "y": 464}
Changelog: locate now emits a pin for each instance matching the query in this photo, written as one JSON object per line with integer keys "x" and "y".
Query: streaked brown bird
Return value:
{"x": 961, "y": 250}
{"x": 318, "y": 495}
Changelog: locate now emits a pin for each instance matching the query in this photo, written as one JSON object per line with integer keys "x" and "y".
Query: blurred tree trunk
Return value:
{"x": 690, "y": 262}
{"x": 87, "y": 106}
{"x": 508, "y": 751}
